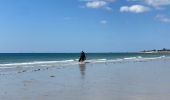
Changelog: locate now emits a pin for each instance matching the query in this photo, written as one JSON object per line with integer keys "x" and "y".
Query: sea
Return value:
{"x": 21, "y": 60}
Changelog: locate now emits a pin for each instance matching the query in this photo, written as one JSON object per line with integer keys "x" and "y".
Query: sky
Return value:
{"x": 89, "y": 25}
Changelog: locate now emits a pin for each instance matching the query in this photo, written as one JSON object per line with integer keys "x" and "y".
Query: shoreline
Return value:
{"x": 103, "y": 81}
{"x": 23, "y": 67}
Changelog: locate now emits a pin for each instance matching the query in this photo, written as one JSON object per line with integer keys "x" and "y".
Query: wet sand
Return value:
{"x": 121, "y": 81}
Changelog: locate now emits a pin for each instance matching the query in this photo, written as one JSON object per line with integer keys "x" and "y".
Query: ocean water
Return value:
{"x": 17, "y": 60}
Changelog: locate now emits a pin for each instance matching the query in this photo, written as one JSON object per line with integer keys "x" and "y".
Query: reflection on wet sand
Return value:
{"x": 82, "y": 68}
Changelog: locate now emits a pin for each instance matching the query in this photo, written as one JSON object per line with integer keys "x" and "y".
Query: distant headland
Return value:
{"x": 164, "y": 50}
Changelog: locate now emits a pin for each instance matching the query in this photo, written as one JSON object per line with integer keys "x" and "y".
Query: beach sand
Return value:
{"x": 105, "y": 81}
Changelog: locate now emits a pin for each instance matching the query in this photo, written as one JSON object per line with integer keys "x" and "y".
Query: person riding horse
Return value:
{"x": 82, "y": 57}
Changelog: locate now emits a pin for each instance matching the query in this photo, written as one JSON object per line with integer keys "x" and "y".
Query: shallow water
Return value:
{"x": 12, "y": 61}
{"x": 103, "y": 81}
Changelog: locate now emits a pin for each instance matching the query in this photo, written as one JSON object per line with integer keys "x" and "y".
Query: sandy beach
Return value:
{"x": 104, "y": 81}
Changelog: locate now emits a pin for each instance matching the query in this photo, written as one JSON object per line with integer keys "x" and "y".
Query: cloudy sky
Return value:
{"x": 90, "y": 25}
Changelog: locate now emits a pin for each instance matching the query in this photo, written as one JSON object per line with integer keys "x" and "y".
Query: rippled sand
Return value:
{"x": 121, "y": 81}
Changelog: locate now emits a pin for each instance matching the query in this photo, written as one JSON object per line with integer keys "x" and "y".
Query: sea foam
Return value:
{"x": 75, "y": 62}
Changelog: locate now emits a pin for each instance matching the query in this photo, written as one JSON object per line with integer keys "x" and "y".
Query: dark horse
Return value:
{"x": 82, "y": 57}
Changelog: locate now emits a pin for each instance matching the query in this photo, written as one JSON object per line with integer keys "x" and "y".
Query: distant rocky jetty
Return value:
{"x": 164, "y": 50}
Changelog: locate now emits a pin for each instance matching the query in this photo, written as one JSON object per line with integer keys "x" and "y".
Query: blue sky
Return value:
{"x": 89, "y": 25}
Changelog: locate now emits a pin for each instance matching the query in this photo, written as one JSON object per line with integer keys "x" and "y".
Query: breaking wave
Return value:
{"x": 75, "y": 61}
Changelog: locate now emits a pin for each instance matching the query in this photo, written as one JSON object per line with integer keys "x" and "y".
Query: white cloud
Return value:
{"x": 134, "y": 9}
{"x": 154, "y": 3}
{"x": 103, "y": 22}
{"x": 162, "y": 18}
{"x": 157, "y": 3}
{"x": 96, "y": 4}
